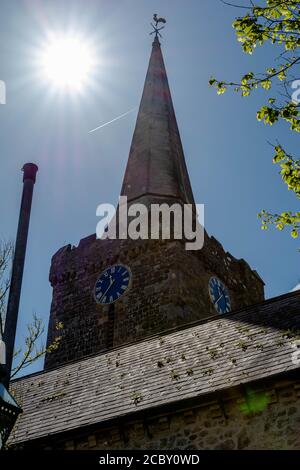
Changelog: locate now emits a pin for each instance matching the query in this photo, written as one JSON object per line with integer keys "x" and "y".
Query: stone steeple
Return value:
{"x": 156, "y": 168}
{"x": 169, "y": 286}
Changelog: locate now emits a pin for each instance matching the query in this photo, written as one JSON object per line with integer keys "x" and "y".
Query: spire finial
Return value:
{"x": 155, "y": 27}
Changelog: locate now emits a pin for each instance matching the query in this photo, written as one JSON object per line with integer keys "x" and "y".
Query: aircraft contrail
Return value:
{"x": 113, "y": 120}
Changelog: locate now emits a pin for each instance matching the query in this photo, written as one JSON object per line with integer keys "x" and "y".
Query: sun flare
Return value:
{"x": 67, "y": 62}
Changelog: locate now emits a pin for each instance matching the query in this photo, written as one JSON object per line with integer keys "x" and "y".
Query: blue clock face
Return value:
{"x": 219, "y": 295}
{"x": 112, "y": 284}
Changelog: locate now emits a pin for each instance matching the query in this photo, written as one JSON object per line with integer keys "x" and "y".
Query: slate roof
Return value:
{"x": 223, "y": 352}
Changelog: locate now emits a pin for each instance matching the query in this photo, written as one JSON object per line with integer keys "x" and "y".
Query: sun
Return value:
{"x": 67, "y": 62}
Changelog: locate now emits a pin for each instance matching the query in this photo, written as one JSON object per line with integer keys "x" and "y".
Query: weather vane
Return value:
{"x": 155, "y": 27}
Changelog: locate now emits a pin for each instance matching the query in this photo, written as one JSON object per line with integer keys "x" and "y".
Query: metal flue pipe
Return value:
{"x": 29, "y": 177}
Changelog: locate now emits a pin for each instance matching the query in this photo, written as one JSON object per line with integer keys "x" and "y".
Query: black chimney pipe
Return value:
{"x": 29, "y": 176}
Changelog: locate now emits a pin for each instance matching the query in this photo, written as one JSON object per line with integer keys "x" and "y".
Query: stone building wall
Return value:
{"x": 260, "y": 417}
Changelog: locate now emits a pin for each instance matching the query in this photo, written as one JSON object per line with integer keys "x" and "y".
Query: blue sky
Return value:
{"x": 226, "y": 149}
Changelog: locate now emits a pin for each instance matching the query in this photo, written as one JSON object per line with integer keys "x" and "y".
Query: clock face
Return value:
{"x": 219, "y": 295}
{"x": 112, "y": 284}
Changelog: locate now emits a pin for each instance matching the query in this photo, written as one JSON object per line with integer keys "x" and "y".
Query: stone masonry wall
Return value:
{"x": 260, "y": 417}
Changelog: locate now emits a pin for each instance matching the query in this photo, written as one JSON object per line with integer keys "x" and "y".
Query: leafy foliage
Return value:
{"x": 33, "y": 350}
{"x": 290, "y": 173}
{"x": 276, "y": 22}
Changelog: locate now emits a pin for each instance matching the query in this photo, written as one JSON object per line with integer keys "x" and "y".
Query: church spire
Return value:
{"x": 156, "y": 168}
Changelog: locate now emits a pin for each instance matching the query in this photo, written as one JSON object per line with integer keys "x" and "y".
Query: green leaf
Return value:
{"x": 221, "y": 90}
{"x": 266, "y": 84}
{"x": 294, "y": 233}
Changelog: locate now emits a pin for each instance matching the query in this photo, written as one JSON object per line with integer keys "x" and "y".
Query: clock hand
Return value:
{"x": 218, "y": 299}
{"x": 111, "y": 283}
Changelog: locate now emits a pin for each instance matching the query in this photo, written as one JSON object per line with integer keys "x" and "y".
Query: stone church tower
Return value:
{"x": 188, "y": 355}
{"x": 169, "y": 285}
